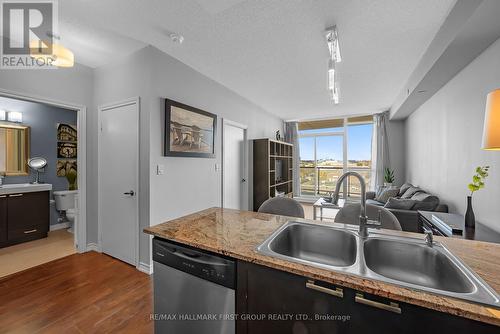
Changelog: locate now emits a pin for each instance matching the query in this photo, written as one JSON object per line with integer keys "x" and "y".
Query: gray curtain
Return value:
{"x": 292, "y": 137}
{"x": 380, "y": 150}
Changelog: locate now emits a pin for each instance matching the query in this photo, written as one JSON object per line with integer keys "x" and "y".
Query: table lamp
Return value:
{"x": 491, "y": 132}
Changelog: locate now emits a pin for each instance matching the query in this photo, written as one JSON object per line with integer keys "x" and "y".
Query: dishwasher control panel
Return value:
{"x": 202, "y": 264}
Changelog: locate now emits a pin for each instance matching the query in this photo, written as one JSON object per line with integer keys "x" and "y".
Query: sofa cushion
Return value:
{"x": 374, "y": 202}
{"x": 404, "y": 188}
{"x": 399, "y": 203}
{"x": 425, "y": 201}
{"x": 386, "y": 194}
{"x": 410, "y": 192}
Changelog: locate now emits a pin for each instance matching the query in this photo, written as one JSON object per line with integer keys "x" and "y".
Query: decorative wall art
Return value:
{"x": 64, "y": 166}
{"x": 67, "y": 132}
{"x": 66, "y": 150}
{"x": 189, "y": 132}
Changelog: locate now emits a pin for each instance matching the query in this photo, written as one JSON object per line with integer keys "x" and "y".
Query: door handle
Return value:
{"x": 243, "y": 180}
{"x": 131, "y": 193}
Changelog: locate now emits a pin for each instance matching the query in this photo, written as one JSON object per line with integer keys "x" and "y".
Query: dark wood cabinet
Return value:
{"x": 285, "y": 303}
{"x": 272, "y": 170}
{"x": 24, "y": 217}
{"x": 308, "y": 306}
{"x": 3, "y": 219}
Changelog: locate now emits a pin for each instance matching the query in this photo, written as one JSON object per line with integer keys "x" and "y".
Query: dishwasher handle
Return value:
{"x": 189, "y": 255}
{"x": 211, "y": 267}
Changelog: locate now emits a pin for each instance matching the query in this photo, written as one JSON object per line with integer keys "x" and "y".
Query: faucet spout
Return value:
{"x": 363, "y": 230}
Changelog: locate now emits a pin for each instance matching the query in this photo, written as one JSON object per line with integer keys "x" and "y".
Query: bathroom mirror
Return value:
{"x": 14, "y": 149}
{"x": 37, "y": 164}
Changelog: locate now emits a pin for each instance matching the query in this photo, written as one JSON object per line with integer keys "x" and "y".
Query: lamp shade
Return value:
{"x": 491, "y": 132}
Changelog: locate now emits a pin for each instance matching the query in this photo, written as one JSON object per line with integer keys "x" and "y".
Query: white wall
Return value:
{"x": 189, "y": 184}
{"x": 69, "y": 85}
{"x": 395, "y": 133}
{"x": 127, "y": 78}
{"x": 443, "y": 140}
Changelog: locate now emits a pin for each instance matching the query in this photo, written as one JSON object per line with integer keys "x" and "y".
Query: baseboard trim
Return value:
{"x": 145, "y": 268}
{"x": 91, "y": 246}
{"x": 59, "y": 226}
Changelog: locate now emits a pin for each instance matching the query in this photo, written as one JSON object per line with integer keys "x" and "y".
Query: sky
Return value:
{"x": 359, "y": 144}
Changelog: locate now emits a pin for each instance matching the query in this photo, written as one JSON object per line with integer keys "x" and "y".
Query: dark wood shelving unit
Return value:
{"x": 269, "y": 157}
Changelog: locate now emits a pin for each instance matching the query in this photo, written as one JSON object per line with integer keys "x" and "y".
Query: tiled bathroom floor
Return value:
{"x": 30, "y": 254}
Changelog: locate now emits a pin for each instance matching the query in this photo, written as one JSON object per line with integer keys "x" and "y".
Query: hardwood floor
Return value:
{"x": 81, "y": 293}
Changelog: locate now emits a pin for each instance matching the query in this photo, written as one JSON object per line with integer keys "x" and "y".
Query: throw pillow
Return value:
{"x": 425, "y": 201}
{"x": 386, "y": 194}
{"x": 399, "y": 203}
{"x": 404, "y": 188}
{"x": 410, "y": 192}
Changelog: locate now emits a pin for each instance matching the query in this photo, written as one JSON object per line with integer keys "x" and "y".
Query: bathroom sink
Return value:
{"x": 19, "y": 185}
{"x": 315, "y": 244}
{"x": 416, "y": 264}
{"x": 6, "y": 189}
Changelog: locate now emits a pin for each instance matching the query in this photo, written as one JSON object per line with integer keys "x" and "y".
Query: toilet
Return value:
{"x": 65, "y": 205}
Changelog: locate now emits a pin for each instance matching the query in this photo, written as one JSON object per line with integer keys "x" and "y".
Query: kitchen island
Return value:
{"x": 237, "y": 234}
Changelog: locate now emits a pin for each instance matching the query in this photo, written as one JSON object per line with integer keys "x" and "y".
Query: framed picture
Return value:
{"x": 63, "y": 166}
{"x": 189, "y": 132}
{"x": 66, "y": 132}
{"x": 66, "y": 150}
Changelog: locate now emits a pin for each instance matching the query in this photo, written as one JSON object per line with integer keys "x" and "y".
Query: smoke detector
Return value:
{"x": 176, "y": 38}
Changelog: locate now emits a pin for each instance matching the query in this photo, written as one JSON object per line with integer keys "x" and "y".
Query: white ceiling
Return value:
{"x": 272, "y": 52}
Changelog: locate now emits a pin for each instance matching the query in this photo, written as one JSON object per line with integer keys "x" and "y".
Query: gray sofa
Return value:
{"x": 409, "y": 218}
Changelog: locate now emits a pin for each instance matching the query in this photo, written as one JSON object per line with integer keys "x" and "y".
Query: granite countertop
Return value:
{"x": 238, "y": 233}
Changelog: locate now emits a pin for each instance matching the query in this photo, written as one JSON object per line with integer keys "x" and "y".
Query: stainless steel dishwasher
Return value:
{"x": 193, "y": 291}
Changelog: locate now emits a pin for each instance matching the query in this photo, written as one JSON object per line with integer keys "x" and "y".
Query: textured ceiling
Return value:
{"x": 271, "y": 52}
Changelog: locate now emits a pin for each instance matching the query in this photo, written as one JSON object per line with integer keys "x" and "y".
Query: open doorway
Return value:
{"x": 42, "y": 189}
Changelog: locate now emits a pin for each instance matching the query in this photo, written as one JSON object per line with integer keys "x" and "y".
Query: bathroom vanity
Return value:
{"x": 24, "y": 213}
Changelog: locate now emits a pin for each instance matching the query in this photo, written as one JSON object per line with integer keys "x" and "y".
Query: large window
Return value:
{"x": 330, "y": 148}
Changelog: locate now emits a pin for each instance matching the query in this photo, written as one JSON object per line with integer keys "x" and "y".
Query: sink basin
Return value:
{"x": 415, "y": 264}
{"x": 403, "y": 261}
{"x": 317, "y": 244}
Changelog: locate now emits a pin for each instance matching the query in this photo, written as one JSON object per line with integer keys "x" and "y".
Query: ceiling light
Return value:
{"x": 15, "y": 116}
{"x": 331, "y": 75}
{"x": 332, "y": 41}
{"x": 60, "y": 56}
{"x": 3, "y": 115}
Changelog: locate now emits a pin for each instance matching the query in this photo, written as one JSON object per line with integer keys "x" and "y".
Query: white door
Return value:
{"x": 234, "y": 169}
{"x": 118, "y": 184}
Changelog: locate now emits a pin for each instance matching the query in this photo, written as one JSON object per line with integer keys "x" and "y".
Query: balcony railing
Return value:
{"x": 321, "y": 180}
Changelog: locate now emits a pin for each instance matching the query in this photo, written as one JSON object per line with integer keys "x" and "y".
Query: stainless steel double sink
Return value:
{"x": 403, "y": 261}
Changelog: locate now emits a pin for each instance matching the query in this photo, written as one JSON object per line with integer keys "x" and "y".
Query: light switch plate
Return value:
{"x": 217, "y": 167}
{"x": 160, "y": 169}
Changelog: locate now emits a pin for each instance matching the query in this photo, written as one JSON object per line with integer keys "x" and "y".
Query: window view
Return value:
{"x": 324, "y": 157}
